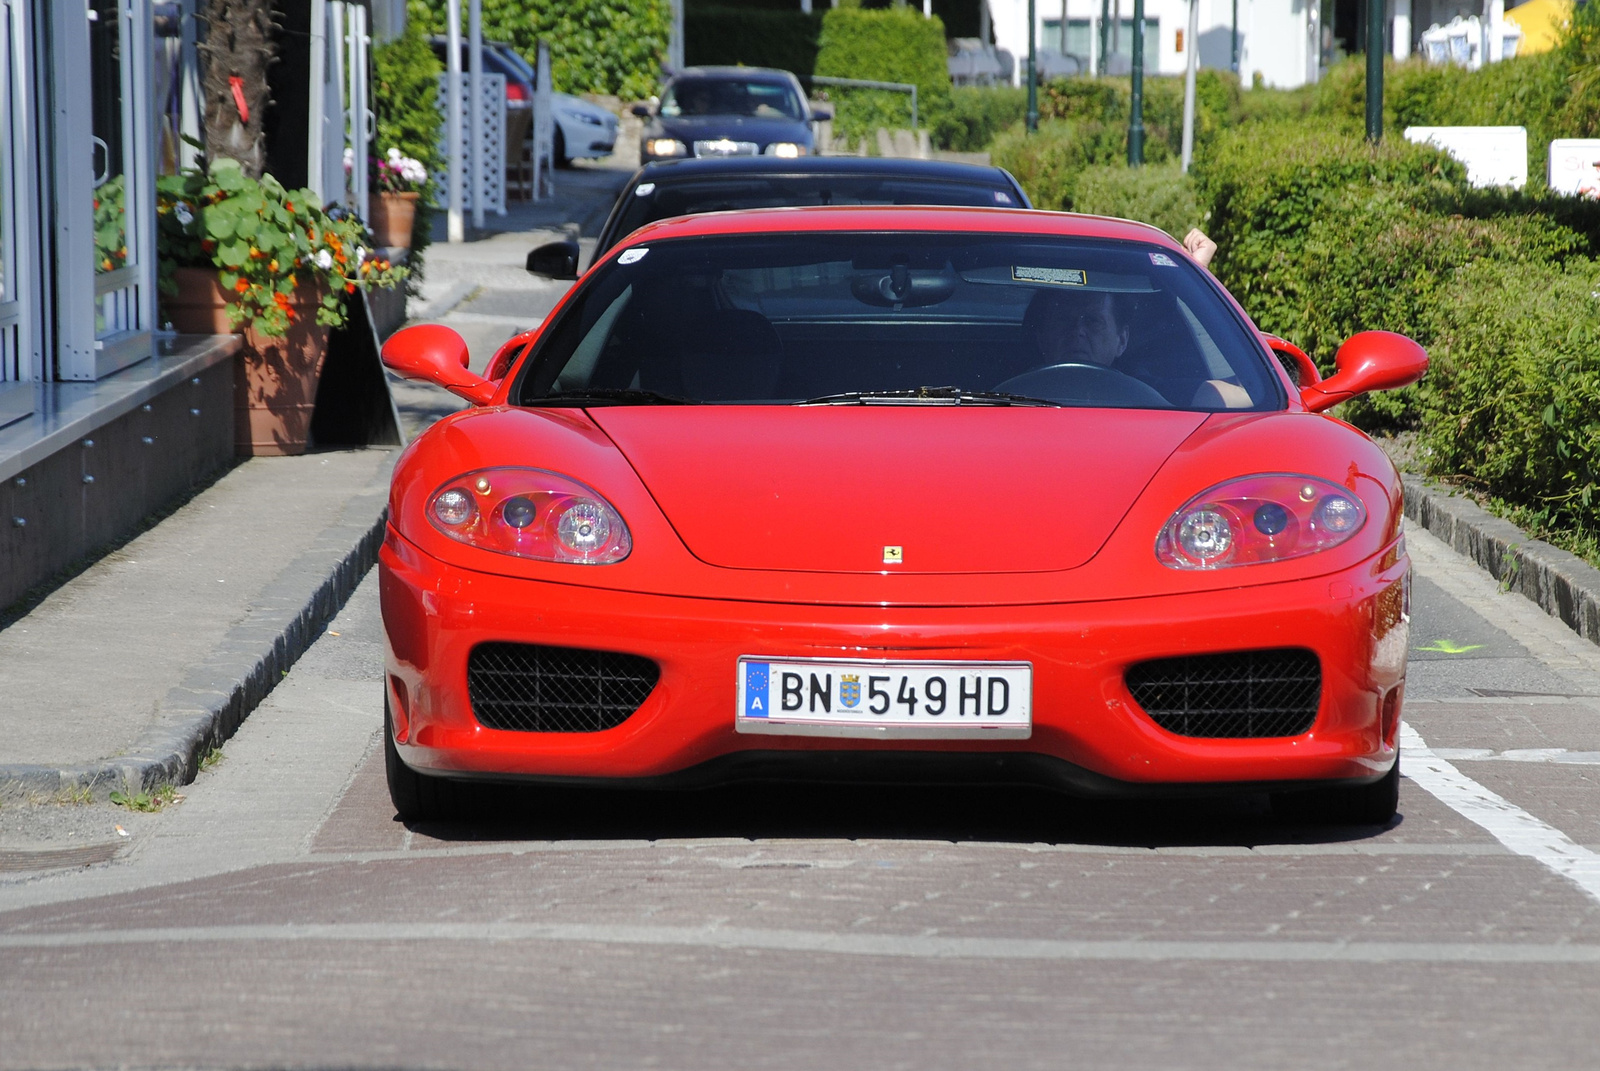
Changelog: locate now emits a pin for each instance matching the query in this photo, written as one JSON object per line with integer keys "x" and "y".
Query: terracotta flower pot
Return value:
{"x": 392, "y": 216}
{"x": 275, "y": 379}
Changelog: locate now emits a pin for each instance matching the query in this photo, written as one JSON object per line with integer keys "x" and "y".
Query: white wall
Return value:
{"x": 1276, "y": 37}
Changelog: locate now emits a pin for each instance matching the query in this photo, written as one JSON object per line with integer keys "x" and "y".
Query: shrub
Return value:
{"x": 891, "y": 45}
{"x": 756, "y": 37}
{"x": 1513, "y": 399}
{"x": 1109, "y": 101}
{"x": 1161, "y": 196}
{"x": 596, "y": 46}
{"x": 977, "y": 115}
{"x": 1049, "y": 162}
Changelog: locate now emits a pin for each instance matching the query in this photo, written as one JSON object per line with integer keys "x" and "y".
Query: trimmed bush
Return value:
{"x": 1161, "y": 196}
{"x": 977, "y": 115}
{"x": 752, "y": 37}
{"x": 1513, "y": 399}
{"x": 891, "y": 45}
{"x": 1048, "y": 163}
{"x": 596, "y": 46}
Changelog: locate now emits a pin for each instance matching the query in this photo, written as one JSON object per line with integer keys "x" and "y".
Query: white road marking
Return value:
{"x": 1505, "y": 821}
{"x": 847, "y": 944}
{"x": 1559, "y": 755}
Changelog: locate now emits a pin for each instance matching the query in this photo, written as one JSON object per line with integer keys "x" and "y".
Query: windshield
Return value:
{"x": 731, "y": 96}
{"x": 660, "y": 199}
{"x": 842, "y": 318}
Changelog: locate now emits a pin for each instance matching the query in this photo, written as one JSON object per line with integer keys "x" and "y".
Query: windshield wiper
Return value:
{"x": 612, "y": 396}
{"x": 927, "y": 396}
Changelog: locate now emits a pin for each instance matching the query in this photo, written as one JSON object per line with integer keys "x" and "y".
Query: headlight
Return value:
{"x": 665, "y": 147}
{"x": 530, "y": 513}
{"x": 786, "y": 149}
{"x": 1255, "y": 519}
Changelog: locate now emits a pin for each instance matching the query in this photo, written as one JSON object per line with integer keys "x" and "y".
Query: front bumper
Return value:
{"x": 1084, "y": 717}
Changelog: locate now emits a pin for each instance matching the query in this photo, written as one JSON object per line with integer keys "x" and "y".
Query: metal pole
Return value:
{"x": 1375, "y": 70}
{"x": 1235, "y": 36}
{"x": 1033, "y": 72}
{"x": 480, "y": 178}
{"x": 456, "y": 228}
{"x": 1136, "y": 112}
{"x": 1190, "y": 43}
{"x": 1105, "y": 29}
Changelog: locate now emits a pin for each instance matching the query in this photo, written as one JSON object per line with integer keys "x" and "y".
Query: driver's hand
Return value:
{"x": 1201, "y": 248}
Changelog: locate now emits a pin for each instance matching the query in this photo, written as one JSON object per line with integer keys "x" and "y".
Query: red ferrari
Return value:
{"x": 899, "y": 494}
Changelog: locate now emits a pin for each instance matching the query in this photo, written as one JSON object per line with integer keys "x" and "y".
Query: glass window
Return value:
{"x": 800, "y": 317}
{"x": 685, "y": 198}
{"x": 731, "y": 96}
{"x": 105, "y": 85}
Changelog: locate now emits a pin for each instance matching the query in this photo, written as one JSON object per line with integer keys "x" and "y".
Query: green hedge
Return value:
{"x": 1049, "y": 162}
{"x": 891, "y": 45}
{"x": 596, "y": 46}
{"x": 787, "y": 40}
{"x": 1161, "y": 196}
{"x": 977, "y": 115}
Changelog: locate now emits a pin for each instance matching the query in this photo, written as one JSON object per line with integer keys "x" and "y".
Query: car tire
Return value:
{"x": 1346, "y": 805}
{"x": 558, "y": 150}
{"x": 416, "y": 797}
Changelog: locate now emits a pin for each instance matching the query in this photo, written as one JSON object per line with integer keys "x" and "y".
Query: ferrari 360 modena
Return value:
{"x": 899, "y": 494}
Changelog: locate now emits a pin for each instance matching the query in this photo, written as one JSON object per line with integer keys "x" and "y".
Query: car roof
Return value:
{"x": 909, "y": 218}
{"x": 667, "y": 171}
{"x": 743, "y": 74}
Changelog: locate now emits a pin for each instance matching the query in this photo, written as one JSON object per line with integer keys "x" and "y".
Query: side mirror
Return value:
{"x": 555, "y": 260}
{"x": 821, "y": 115}
{"x": 1301, "y": 368}
{"x": 641, "y": 110}
{"x": 509, "y": 351}
{"x": 435, "y": 354}
{"x": 1372, "y": 360}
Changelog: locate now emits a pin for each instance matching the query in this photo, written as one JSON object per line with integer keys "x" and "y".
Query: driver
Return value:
{"x": 1091, "y": 327}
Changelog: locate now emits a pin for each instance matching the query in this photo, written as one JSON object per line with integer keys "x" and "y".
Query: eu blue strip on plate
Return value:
{"x": 756, "y": 676}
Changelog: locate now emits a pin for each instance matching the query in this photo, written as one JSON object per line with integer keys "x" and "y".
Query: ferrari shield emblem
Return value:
{"x": 849, "y": 690}
{"x": 893, "y": 555}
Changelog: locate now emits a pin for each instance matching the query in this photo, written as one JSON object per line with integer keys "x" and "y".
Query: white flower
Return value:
{"x": 361, "y": 253}
{"x": 349, "y": 158}
{"x": 181, "y": 210}
{"x": 394, "y": 155}
{"x": 324, "y": 260}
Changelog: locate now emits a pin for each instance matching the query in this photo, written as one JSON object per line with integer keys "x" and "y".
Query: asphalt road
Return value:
{"x": 281, "y": 916}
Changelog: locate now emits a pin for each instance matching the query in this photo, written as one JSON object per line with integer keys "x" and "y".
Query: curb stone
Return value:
{"x": 215, "y": 697}
{"x": 1561, "y": 584}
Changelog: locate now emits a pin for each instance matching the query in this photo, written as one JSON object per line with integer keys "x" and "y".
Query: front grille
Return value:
{"x": 1245, "y": 694}
{"x": 725, "y": 147}
{"x": 533, "y": 689}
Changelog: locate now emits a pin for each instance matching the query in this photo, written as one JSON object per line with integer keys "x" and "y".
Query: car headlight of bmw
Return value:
{"x": 1254, "y": 519}
{"x": 530, "y": 513}
{"x": 666, "y": 147}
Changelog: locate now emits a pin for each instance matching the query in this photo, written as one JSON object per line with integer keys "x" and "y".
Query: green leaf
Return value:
{"x": 233, "y": 254}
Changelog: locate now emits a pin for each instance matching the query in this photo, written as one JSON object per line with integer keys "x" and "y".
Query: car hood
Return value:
{"x": 958, "y": 489}
{"x": 692, "y": 128}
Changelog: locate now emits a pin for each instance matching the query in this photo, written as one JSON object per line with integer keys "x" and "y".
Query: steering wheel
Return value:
{"x": 1075, "y": 381}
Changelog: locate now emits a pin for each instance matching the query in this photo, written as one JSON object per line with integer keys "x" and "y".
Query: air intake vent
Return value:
{"x": 1244, "y": 694}
{"x": 532, "y": 689}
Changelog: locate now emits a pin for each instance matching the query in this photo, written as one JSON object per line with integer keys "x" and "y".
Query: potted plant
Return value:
{"x": 241, "y": 254}
{"x": 397, "y": 182}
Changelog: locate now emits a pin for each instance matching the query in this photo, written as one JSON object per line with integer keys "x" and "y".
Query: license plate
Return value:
{"x": 814, "y": 697}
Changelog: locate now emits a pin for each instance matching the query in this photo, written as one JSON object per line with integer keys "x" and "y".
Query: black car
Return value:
{"x": 729, "y": 111}
{"x": 660, "y": 190}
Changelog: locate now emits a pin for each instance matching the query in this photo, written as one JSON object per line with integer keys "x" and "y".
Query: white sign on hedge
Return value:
{"x": 1575, "y": 166}
{"x": 1494, "y": 155}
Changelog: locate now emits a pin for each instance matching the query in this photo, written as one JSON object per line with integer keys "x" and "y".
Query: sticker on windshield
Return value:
{"x": 1053, "y": 276}
{"x": 1001, "y": 197}
{"x": 1161, "y": 260}
{"x": 644, "y": 189}
{"x": 632, "y": 256}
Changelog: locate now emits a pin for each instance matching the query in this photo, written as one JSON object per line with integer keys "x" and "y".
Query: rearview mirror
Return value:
{"x": 436, "y": 354}
{"x": 821, "y": 115}
{"x": 1372, "y": 360}
{"x": 555, "y": 260}
{"x": 641, "y": 110}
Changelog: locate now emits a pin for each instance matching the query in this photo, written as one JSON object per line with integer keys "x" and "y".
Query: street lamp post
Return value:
{"x": 1375, "y": 70}
{"x": 1033, "y": 71}
{"x": 1105, "y": 30}
{"x": 1235, "y": 36}
{"x": 1136, "y": 111}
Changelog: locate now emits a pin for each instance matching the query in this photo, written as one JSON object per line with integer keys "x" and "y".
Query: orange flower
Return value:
{"x": 241, "y": 286}
{"x": 207, "y": 244}
{"x": 349, "y": 288}
{"x": 289, "y": 205}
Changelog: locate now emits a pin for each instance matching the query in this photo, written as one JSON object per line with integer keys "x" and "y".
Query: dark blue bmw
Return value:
{"x": 729, "y": 111}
